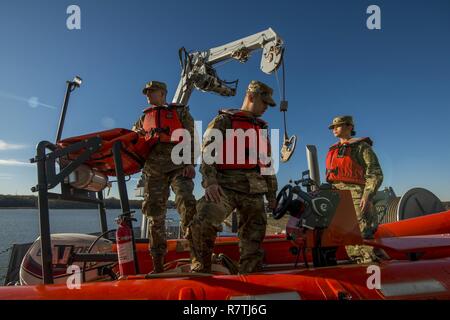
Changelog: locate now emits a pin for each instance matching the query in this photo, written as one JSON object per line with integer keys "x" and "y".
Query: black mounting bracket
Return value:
{"x": 48, "y": 179}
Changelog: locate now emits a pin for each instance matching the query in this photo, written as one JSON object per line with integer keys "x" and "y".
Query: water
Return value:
{"x": 22, "y": 226}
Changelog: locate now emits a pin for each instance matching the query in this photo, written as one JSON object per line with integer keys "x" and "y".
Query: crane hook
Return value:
{"x": 289, "y": 143}
{"x": 288, "y": 148}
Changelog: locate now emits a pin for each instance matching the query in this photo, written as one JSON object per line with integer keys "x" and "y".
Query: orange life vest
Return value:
{"x": 241, "y": 120}
{"x": 341, "y": 167}
{"x": 160, "y": 122}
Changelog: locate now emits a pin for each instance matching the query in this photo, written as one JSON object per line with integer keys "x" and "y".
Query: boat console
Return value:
{"x": 322, "y": 219}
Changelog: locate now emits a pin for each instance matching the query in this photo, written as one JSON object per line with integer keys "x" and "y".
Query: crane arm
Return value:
{"x": 238, "y": 48}
{"x": 198, "y": 67}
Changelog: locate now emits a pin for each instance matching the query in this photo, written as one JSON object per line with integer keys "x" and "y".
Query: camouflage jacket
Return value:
{"x": 242, "y": 180}
{"x": 363, "y": 153}
{"x": 160, "y": 156}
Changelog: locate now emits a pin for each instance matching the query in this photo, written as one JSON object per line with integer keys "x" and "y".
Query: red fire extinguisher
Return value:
{"x": 125, "y": 248}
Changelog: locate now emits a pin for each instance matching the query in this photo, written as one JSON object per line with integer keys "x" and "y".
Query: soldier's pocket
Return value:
{"x": 256, "y": 230}
{"x": 257, "y": 183}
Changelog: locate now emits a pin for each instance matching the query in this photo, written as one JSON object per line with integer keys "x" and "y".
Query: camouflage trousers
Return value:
{"x": 252, "y": 221}
{"x": 368, "y": 223}
{"x": 155, "y": 205}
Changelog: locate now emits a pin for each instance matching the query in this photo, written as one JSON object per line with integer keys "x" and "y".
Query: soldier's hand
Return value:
{"x": 272, "y": 204}
{"x": 365, "y": 205}
{"x": 140, "y": 131}
{"x": 213, "y": 193}
{"x": 189, "y": 171}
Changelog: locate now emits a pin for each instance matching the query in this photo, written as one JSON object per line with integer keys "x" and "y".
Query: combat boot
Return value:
{"x": 158, "y": 264}
{"x": 197, "y": 267}
{"x": 200, "y": 264}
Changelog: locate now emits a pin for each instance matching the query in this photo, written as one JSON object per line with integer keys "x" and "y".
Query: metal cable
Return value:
{"x": 284, "y": 74}
{"x": 90, "y": 248}
{"x": 390, "y": 212}
{"x": 278, "y": 84}
{"x": 282, "y": 92}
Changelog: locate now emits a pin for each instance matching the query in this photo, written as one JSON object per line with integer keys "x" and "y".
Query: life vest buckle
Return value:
{"x": 165, "y": 130}
{"x": 341, "y": 151}
{"x": 332, "y": 171}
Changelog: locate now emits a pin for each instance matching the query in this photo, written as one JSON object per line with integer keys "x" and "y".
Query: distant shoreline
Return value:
{"x": 18, "y": 208}
{"x": 14, "y": 208}
{"x": 31, "y": 202}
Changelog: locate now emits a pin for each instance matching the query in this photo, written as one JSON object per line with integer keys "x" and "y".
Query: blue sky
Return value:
{"x": 394, "y": 81}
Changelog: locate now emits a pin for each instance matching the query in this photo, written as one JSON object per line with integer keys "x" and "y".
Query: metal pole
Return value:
{"x": 144, "y": 229}
{"x": 234, "y": 221}
{"x": 63, "y": 110}
{"x": 184, "y": 91}
{"x": 313, "y": 165}
{"x": 102, "y": 212}
{"x": 124, "y": 203}
{"x": 44, "y": 221}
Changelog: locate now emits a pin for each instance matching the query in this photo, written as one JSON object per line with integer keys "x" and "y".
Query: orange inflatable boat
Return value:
{"x": 417, "y": 266}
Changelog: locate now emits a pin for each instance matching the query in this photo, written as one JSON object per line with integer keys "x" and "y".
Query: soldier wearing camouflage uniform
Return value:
{"x": 229, "y": 188}
{"x": 161, "y": 173}
{"x": 353, "y": 165}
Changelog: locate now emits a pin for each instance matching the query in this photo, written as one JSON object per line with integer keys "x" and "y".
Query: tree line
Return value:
{"x": 12, "y": 201}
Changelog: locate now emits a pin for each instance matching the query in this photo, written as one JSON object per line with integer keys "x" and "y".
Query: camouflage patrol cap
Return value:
{"x": 340, "y": 120}
{"x": 263, "y": 90}
{"x": 154, "y": 85}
